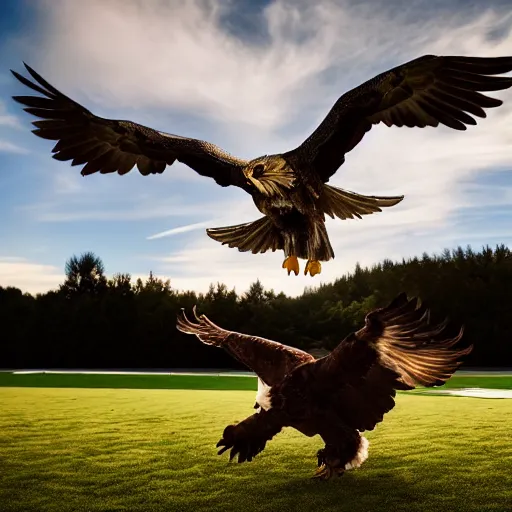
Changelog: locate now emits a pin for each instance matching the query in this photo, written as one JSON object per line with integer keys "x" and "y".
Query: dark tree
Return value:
{"x": 98, "y": 323}
{"x": 85, "y": 274}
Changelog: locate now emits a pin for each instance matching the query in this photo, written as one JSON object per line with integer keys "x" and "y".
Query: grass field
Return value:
{"x": 154, "y": 450}
{"x": 93, "y": 380}
{"x": 76, "y": 380}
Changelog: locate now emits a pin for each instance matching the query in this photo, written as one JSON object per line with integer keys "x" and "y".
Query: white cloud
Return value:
{"x": 269, "y": 97}
{"x": 29, "y": 276}
{"x": 193, "y": 64}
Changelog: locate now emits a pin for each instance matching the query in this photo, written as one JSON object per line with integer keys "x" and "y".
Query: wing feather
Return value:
{"x": 426, "y": 91}
{"x": 397, "y": 349}
{"x": 408, "y": 344}
{"x": 270, "y": 360}
{"x": 109, "y": 145}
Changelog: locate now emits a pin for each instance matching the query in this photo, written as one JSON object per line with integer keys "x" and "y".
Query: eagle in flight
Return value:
{"x": 290, "y": 189}
{"x": 342, "y": 394}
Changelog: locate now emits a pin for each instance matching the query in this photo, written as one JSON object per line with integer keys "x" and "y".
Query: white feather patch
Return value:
{"x": 361, "y": 455}
{"x": 263, "y": 395}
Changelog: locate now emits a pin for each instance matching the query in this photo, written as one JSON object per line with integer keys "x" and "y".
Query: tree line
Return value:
{"x": 94, "y": 322}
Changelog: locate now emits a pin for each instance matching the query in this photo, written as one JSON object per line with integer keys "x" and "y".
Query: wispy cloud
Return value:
{"x": 181, "y": 229}
{"x": 53, "y": 212}
{"x": 12, "y": 259}
{"x": 9, "y": 147}
{"x": 66, "y": 181}
{"x": 8, "y": 120}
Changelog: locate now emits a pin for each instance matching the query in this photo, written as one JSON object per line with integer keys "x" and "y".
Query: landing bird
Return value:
{"x": 290, "y": 189}
{"x": 340, "y": 395}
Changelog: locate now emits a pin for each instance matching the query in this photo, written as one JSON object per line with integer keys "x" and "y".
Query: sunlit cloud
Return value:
{"x": 29, "y": 276}
{"x": 32, "y": 277}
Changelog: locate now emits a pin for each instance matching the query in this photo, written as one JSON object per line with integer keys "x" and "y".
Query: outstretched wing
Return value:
{"x": 397, "y": 348}
{"x": 270, "y": 360}
{"x": 423, "y": 92}
{"x": 109, "y": 145}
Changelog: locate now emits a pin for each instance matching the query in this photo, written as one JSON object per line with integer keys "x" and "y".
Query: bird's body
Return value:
{"x": 294, "y": 213}
{"x": 290, "y": 189}
{"x": 338, "y": 396}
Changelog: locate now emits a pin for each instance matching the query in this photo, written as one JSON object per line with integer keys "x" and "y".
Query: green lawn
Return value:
{"x": 71, "y": 380}
{"x": 154, "y": 450}
{"x": 79, "y": 380}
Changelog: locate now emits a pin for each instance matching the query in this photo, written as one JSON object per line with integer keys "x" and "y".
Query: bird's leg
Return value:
{"x": 291, "y": 264}
{"x": 313, "y": 267}
{"x": 329, "y": 463}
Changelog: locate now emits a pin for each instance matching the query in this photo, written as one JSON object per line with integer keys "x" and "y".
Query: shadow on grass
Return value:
{"x": 364, "y": 489}
{"x": 384, "y": 484}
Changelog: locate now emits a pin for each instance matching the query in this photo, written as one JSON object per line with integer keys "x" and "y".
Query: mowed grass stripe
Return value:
{"x": 79, "y": 380}
{"x": 204, "y": 382}
{"x": 154, "y": 450}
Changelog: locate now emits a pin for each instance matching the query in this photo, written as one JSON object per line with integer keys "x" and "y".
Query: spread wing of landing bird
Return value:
{"x": 290, "y": 189}
{"x": 342, "y": 394}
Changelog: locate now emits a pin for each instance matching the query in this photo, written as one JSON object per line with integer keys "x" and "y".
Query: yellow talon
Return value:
{"x": 313, "y": 267}
{"x": 324, "y": 472}
{"x": 291, "y": 264}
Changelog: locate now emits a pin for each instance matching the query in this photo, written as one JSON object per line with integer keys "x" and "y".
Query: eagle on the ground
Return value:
{"x": 290, "y": 188}
{"x": 342, "y": 394}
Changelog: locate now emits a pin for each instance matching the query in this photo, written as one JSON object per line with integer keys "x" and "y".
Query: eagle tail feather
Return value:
{"x": 345, "y": 204}
{"x": 317, "y": 245}
{"x": 258, "y": 236}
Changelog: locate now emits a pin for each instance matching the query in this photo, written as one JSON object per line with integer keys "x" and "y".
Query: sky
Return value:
{"x": 253, "y": 77}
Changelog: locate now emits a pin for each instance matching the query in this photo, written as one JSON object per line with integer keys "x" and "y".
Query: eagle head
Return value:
{"x": 270, "y": 174}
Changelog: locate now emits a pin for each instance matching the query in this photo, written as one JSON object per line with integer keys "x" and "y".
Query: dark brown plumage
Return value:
{"x": 290, "y": 189}
{"x": 340, "y": 395}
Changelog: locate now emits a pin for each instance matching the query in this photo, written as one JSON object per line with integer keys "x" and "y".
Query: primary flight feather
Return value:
{"x": 342, "y": 394}
{"x": 290, "y": 189}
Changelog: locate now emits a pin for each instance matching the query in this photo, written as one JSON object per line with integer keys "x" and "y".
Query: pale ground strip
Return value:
{"x": 471, "y": 392}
